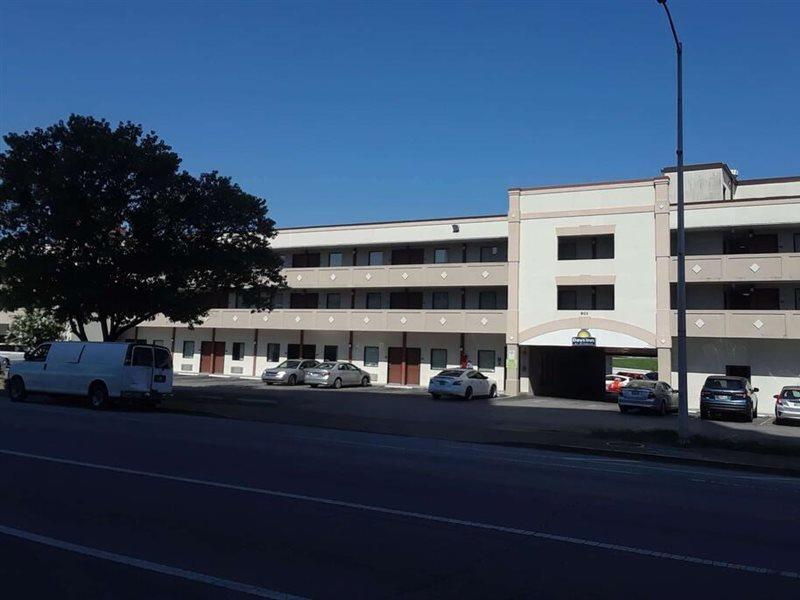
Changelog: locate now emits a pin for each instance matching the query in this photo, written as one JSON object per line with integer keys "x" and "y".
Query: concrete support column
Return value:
{"x": 665, "y": 364}
{"x": 403, "y": 364}
{"x": 512, "y": 314}
{"x": 255, "y": 351}
{"x": 350, "y": 346}
{"x": 173, "y": 340}
{"x": 663, "y": 259}
{"x": 512, "y": 369}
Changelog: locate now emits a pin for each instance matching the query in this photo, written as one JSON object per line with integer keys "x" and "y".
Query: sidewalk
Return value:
{"x": 550, "y": 423}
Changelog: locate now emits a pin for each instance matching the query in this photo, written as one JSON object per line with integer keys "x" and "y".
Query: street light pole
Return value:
{"x": 683, "y": 403}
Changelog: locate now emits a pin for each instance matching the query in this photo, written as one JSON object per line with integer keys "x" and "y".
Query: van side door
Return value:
{"x": 138, "y": 375}
{"x": 34, "y": 368}
{"x": 162, "y": 370}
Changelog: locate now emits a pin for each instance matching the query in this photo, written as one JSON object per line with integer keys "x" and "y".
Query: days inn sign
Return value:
{"x": 584, "y": 338}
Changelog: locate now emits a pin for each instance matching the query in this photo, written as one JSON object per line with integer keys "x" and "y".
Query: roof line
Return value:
{"x": 399, "y": 221}
{"x": 786, "y": 179}
{"x": 703, "y": 167}
{"x": 584, "y": 184}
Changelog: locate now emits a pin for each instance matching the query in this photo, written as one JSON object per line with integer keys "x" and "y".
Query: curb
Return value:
{"x": 662, "y": 458}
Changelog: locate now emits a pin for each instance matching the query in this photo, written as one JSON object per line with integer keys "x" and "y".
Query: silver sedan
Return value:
{"x": 289, "y": 372}
{"x": 649, "y": 395}
{"x": 336, "y": 375}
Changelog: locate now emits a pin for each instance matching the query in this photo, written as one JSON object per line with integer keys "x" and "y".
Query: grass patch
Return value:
{"x": 635, "y": 362}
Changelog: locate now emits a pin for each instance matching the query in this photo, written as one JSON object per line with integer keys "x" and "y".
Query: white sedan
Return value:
{"x": 465, "y": 383}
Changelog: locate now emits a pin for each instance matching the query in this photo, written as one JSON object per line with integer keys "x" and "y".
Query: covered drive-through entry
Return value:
{"x": 574, "y": 363}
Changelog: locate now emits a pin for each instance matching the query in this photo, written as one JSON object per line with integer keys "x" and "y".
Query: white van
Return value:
{"x": 103, "y": 371}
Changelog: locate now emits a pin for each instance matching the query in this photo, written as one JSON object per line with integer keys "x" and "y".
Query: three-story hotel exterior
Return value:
{"x": 540, "y": 297}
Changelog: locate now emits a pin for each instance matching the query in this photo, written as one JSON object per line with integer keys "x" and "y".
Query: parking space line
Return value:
{"x": 552, "y": 537}
{"x": 146, "y": 565}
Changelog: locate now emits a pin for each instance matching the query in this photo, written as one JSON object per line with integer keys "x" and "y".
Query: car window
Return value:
{"x": 450, "y": 373}
{"x": 480, "y": 376}
{"x": 343, "y": 367}
{"x": 142, "y": 357}
{"x": 39, "y": 354}
{"x": 327, "y": 366}
{"x": 723, "y": 383}
{"x": 641, "y": 383}
{"x": 794, "y": 394}
{"x": 163, "y": 359}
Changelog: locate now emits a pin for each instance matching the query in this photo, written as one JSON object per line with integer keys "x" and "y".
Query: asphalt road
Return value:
{"x": 130, "y": 504}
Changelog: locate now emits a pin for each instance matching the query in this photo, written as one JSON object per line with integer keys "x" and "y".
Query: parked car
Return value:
{"x": 102, "y": 371}
{"x": 615, "y": 382}
{"x": 647, "y": 394}
{"x": 464, "y": 383}
{"x": 336, "y": 375}
{"x": 630, "y": 374}
{"x": 289, "y": 372}
{"x": 652, "y": 375}
{"x": 728, "y": 394}
{"x": 787, "y": 404}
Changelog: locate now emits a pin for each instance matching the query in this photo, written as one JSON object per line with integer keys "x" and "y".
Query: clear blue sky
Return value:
{"x": 341, "y": 112}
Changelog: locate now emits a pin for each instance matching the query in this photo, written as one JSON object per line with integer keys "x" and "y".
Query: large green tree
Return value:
{"x": 30, "y": 328}
{"x": 100, "y": 224}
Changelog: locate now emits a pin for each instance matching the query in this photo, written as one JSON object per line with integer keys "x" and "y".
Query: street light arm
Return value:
{"x": 678, "y": 44}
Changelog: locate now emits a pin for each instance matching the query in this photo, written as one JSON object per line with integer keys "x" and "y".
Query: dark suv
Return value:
{"x": 728, "y": 394}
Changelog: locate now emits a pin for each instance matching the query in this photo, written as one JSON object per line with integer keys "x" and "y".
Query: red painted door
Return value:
{"x": 206, "y": 354}
{"x": 412, "y": 365}
{"x": 219, "y": 357}
{"x": 395, "y": 365}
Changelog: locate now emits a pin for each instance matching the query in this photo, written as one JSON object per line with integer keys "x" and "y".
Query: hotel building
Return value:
{"x": 539, "y": 298}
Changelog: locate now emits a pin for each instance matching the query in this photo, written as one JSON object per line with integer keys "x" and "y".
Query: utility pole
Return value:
{"x": 683, "y": 402}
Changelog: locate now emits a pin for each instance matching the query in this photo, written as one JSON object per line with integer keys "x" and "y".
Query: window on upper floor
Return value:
{"x": 441, "y": 300}
{"x": 585, "y": 297}
{"x": 408, "y": 256}
{"x": 797, "y": 242}
{"x": 304, "y": 300}
{"x": 585, "y": 247}
{"x": 405, "y": 300}
{"x": 305, "y": 259}
{"x": 440, "y": 255}
{"x": 490, "y": 253}
{"x": 487, "y": 300}
{"x": 334, "y": 259}
{"x": 374, "y": 300}
{"x": 376, "y": 257}
{"x": 333, "y": 300}
{"x": 750, "y": 242}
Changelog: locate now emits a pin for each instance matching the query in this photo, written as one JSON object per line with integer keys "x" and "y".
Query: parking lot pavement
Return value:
{"x": 525, "y": 420}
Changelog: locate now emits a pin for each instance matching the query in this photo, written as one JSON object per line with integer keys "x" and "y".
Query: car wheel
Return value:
{"x": 748, "y": 417}
{"x": 662, "y": 409}
{"x": 624, "y": 409}
{"x": 268, "y": 382}
{"x": 98, "y": 396}
{"x": 468, "y": 393}
{"x": 312, "y": 385}
{"x": 755, "y": 412}
{"x": 337, "y": 383}
{"x": 16, "y": 389}
{"x": 704, "y": 414}
{"x": 493, "y": 392}
{"x": 365, "y": 381}
{"x": 292, "y": 380}
{"x": 778, "y": 420}
{"x": 435, "y": 396}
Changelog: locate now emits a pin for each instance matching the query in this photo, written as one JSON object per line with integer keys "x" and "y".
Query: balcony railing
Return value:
{"x": 428, "y": 275}
{"x": 444, "y": 321}
{"x": 774, "y": 324}
{"x": 739, "y": 267}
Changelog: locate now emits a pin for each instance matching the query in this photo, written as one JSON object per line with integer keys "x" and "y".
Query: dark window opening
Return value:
{"x": 273, "y": 352}
{"x": 304, "y": 300}
{"x": 585, "y": 297}
{"x": 440, "y": 255}
{"x": 441, "y": 300}
{"x": 438, "y": 358}
{"x": 490, "y": 254}
{"x": 752, "y": 298}
{"x": 330, "y": 353}
{"x": 333, "y": 300}
{"x": 305, "y": 259}
{"x": 487, "y": 300}
{"x": 408, "y": 256}
{"x": 188, "y": 349}
{"x": 405, "y": 300}
{"x": 237, "y": 352}
{"x": 370, "y": 356}
{"x": 585, "y": 247}
{"x": 749, "y": 242}
{"x": 486, "y": 360}
{"x": 335, "y": 259}
{"x": 374, "y": 300}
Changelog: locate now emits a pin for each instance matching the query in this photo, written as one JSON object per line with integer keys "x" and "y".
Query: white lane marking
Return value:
{"x": 147, "y": 565}
{"x": 414, "y": 515}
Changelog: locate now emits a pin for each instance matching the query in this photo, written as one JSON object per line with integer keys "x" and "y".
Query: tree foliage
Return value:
{"x": 30, "y": 328}
{"x": 98, "y": 223}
